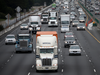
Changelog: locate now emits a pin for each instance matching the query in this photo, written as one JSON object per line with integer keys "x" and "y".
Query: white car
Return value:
{"x": 74, "y": 49}
{"x": 10, "y": 39}
{"x": 64, "y": 29}
{"x": 72, "y": 17}
{"x": 24, "y": 26}
{"x": 80, "y": 9}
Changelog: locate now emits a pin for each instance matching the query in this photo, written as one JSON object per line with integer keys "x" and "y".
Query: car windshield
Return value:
{"x": 64, "y": 22}
{"x": 81, "y": 24}
{"x": 24, "y": 25}
{"x": 68, "y": 33}
{"x": 23, "y": 37}
{"x": 46, "y": 51}
{"x": 52, "y": 18}
{"x": 74, "y": 47}
{"x": 69, "y": 38}
{"x": 10, "y": 37}
{"x": 34, "y": 22}
{"x": 65, "y": 27}
{"x": 75, "y": 21}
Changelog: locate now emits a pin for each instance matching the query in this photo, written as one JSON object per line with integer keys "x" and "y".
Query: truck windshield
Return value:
{"x": 65, "y": 22}
{"x": 23, "y": 37}
{"x": 34, "y": 22}
{"x": 44, "y": 15}
{"x": 46, "y": 50}
{"x": 52, "y": 18}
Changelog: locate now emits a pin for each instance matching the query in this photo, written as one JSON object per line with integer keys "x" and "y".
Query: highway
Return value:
{"x": 12, "y": 63}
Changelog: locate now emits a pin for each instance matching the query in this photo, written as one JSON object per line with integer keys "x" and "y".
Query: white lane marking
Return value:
{"x": 12, "y": 55}
{"x": 61, "y": 55}
{"x": 86, "y": 55}
{"x": 62, "y": 60}
{"x": 94, "y": 70}
{"x": 89, "y": 60}
{"x": 8, "y": 61}
{"x": 29, "y": 73}
{"x": 62, "y": 70}
{"x": 32, "y": 66}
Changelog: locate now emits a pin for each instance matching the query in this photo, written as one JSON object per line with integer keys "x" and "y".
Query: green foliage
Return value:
{"x": 1, "y": 28}
{"x": 2, "y": 15}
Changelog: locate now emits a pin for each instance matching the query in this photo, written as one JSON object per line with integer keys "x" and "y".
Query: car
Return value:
{"x": 91, "y": 9}
{"x": 97, "y": 12}
{"x": 75, "y": 23}
{"x": 69, "y": 41}
{"x": 81, "y": 12}
{"x": 64, "y": 29}
{"x": 69, "y": 34}
{"x": 80, "y": 9}
{"x": 74, "y": 49}
{"x": 66, "y": 10}
{"x": 10, "y": 39}
{"x": 73, "y": 13}
{"x": 24, "y": 26}
{"x": 72, "y": 17}
{"x": 96, "y": 8}
{"x": 81, "y": 26}
{"x": 77, "y": 6}
{"x": 72, "y": 9}
{"x": 81, "y": 19}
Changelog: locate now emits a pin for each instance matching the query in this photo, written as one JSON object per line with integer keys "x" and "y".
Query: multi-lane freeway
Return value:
{"x": 88, "y": 63}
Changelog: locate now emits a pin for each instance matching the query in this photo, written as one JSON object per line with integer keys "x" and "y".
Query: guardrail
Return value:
{"x": 89, "y": 13}
{"x": 20, "y": 22}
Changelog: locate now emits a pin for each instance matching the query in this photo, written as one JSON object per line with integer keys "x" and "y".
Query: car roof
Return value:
{"x": 10, "y": 35}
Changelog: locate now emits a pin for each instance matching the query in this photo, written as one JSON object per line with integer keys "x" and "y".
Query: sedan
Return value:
{"x": 72, "y": 17}
{"x": 80, "y": 9}
{"x": 10, "y": 39}
{"x": 74, "y": 49}
{"x": 73, "y": 13}
{"x": 69, "y": 34}
{"x": 73, "y": 9}
{"x": 24, "y": 26}
{"x": 81, "y": 19}
{"x": 64, "y": 29}
{"x": 91, "y": 9}
{"x": 81, "y": 26}
{"x": 75, "y": 23}
{"x": 97, "y": 13}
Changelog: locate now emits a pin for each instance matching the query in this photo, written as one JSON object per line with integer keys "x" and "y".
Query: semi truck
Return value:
{"x": 46, "y": 50}
{"x": 23, "y": 43}
{"x": 53, "y": 18}
{"x": 34, "y": 23}
{"x": 44, "y": 17}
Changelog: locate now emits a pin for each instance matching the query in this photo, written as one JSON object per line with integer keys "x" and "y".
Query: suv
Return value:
{"x": 69, "y": 41}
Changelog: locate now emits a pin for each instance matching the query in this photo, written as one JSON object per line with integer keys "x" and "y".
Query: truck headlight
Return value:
{"x": 74, "y": 42}
{"x": 41, "y": 19}
{"x": 38, "y": 64}
{"x": 30, "y": 29}
{"x": 55, "y": 64}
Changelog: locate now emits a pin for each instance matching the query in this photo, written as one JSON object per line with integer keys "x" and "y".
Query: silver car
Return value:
{"x": 24, "y": 26}
{"x": 81, "y": 26}
{"x": 10, "y": 39}
{"x": 81, "y": 19}
{"x": 74, "y": 49}
{"x": 75, "y": 23}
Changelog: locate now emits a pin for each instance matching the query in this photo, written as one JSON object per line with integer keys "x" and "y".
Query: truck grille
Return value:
{"x": 46, "y": 62}
{"x": 23, "y": 43}
{"x": 45, "y": 19}
{"x": 34, "y": 28}
{"x": 52, "y": 22}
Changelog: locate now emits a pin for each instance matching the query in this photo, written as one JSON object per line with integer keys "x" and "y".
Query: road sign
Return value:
{"x": 8, "y": 16}
{"x": 18, "y": 9}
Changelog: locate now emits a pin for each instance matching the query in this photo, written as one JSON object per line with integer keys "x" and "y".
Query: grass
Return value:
{"x": 2, "y": 20}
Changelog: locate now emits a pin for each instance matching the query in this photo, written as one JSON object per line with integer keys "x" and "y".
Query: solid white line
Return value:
{"x": 8, "y": 61}
{"x": 89, "y": 60}
{"x": 62, "y": 60}
{"x": 32, "y": 66}
{"x": 61, "y": 55}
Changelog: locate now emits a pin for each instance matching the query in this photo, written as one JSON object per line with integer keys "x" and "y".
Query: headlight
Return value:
{"x": 38, "y": 64}
{"x": 5, "y": 39}
{"x": 21, "y": 27}
{"x": 54, "y": 64}
{"x": 41, "y": 19}
{"x": 74, "y": 42}
{"x": 26, "y": 27}
{"x": 38, "y": 28}
{"x": 78, "y": 27}
{"x": 14, "y": 39}
{"x": 49, "y": 22}
{"x": 56, "y": 22}
{"x": 83, "y": 27}
{"x": 65, "y": 41}
{"x": 73, "y": 23}
{"x": 65, "y": 36}
{"x": 30, "y": 28}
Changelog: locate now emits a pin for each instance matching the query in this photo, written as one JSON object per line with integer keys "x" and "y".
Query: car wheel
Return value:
{"x": 5, "y": 43}
{"x": 65, "y": 46}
